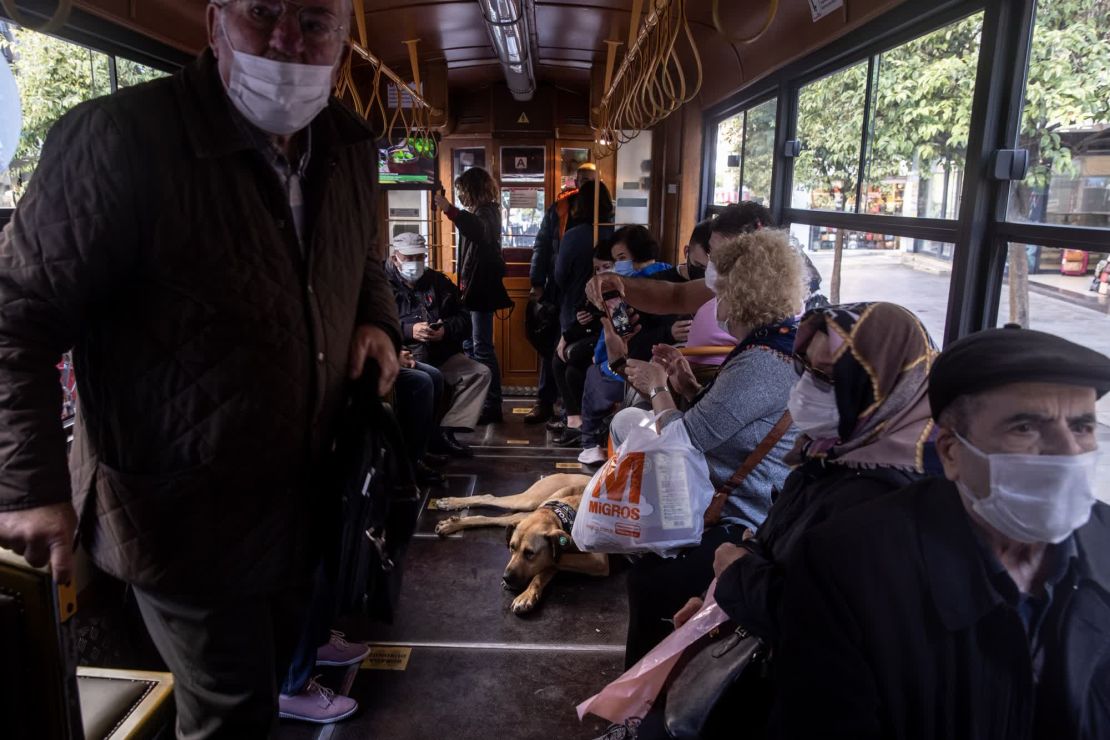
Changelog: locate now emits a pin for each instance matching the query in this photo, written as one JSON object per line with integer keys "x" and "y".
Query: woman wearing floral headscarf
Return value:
{"x": 862, "y": 408}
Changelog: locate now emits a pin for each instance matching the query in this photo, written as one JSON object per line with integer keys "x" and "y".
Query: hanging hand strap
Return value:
{"x": 713, "y": 513}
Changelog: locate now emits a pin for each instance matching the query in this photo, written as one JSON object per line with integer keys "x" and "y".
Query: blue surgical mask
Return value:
{"x": 624, "y": 268}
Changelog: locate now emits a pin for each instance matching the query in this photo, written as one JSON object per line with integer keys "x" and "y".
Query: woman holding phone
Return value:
{"x": 481, "y": 269}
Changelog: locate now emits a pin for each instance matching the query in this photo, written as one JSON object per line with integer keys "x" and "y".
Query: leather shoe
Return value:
{"x": 426, "y": 476}
{"x": 569, "y": 437}
{"x": 540, "y": 413}
{"x": 433, "y": 460}
{"x": 556, "y": 425}
{"x": 448, "y": 445}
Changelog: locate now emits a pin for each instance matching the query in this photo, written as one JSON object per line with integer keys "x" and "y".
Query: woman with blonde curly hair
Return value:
{"x": 758, "y": 280}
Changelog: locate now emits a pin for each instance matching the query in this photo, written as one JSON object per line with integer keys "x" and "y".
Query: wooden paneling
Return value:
{"x": 520, "y": 365}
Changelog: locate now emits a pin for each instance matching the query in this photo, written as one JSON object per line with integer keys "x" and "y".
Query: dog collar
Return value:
{"x": 564, "y": 512}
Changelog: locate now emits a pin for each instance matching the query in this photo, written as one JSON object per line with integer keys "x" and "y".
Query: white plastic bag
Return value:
{"x": 633, "y": 694}
{"x": 650, "y": 497}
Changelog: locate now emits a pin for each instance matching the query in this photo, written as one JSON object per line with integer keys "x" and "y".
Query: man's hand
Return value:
{"x": 536, "y": 293}
{"x": 407, "y": 360}
{"x": 688, "y": 610}
{"x": 645, "y": 375}
{"x": 680, "y": 330}
{"x": 371, "y": 342}
{"x": 41, "y": 535}
{"x": 423, "y": 332}
{"x": 602, "y": 284}
{"x": 561, "y": 349}
{"x": 726, "y": 555}
{"x": 584, "y": 317}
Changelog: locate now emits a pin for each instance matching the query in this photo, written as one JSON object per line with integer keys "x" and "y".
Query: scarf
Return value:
{"x": 883, "y": 355}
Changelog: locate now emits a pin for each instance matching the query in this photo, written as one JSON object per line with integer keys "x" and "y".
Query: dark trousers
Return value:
{"x": 548, "y": 391}
{"x": 314, "y": 633}
{"x": 659, "y": 587}
{"x": 570, "y": 374}
{"x": 480, "y": 347}
{"x": 598, "y": 398}
{"x": 227, "y": 657}
{"x": 417, "y": 395}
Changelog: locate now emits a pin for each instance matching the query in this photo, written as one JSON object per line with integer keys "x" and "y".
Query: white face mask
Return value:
{"x": 711, "y": 276}
{"x": 278, "y": 97}
{"x": 411, "y": 271}
{"x": 814, "y": 410}
{"x": 1035, "y": 498}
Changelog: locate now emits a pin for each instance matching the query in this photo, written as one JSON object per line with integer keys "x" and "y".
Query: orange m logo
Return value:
{"x": 628, "y": 470}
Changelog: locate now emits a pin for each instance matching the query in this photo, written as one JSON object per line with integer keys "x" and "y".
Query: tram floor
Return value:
{"x": 474, "y": 670}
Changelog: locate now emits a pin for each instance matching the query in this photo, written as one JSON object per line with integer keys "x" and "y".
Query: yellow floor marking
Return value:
{"x": 387, "y": 658}
{"x": 517, "y": 442}
{"x": 568, "y": 466}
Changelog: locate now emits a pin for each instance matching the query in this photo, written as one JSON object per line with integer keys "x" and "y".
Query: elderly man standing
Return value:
{"x": 204, "y": 243}
{"x": 976, "y": 606}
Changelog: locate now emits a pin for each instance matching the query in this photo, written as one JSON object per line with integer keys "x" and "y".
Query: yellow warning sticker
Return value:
{"x": 567, "y": 466}
{"x": 433, "y": 504}
{"x": 523, "y": 118}
{"x": 521, "y": 410}
{"x": 387, "y": 658}
{"x": 517, "y": 441}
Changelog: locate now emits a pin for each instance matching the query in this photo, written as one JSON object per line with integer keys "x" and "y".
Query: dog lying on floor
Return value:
{"x": 539, "y": 538}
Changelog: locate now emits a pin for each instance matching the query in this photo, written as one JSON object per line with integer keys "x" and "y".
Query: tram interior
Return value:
{"x": 765, "y": 101}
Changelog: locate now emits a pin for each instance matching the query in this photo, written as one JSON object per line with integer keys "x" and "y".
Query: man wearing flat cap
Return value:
{"x": 977, "y": 605}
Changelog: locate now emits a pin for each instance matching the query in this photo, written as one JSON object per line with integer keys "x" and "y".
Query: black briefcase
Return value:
{"x": 379, "y": 501}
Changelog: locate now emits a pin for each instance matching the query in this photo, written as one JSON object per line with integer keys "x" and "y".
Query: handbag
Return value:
{"x": 706, "y": 673}
{"x": 711, "y": 668}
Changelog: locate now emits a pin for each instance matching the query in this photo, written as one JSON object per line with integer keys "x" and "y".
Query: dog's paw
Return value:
{"x": 524, "y": 603}
{"x": 448, "y": 526}
{"x": 446, "y": 504}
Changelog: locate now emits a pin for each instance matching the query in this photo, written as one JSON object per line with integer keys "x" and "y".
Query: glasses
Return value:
{"x": 319, "y": 26}
{"x": 821, "y": 379}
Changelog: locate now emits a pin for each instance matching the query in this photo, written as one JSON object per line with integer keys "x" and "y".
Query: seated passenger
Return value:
{"x": 435, "y": 325}
{"x": 759, "y": 287}
{"x": 635, "y": 254}
{"x": 704, "y": 330}
{"x": 975, "y": 605}
{"x": 688, "y": 297}
{"x": 417, "y": 396}
{"x": 575, "y": 353}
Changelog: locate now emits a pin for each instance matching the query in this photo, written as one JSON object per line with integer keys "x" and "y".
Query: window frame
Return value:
{"x": 981, "y": 229}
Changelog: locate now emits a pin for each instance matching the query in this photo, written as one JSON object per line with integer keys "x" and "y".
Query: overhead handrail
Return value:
{"x": 651, "y": 82}
{"x": 771, "y": 13}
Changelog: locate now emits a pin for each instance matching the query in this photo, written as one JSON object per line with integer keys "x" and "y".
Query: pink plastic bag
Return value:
{"x": 635, "y": 691}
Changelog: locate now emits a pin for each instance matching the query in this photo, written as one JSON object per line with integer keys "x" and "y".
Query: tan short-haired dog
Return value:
{"x": 539, "y": 538}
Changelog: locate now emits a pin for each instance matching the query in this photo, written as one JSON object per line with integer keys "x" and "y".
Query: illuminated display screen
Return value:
{"x": 411, "y": 163}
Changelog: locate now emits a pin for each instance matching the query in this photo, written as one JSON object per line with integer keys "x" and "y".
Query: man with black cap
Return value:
{"x": 975, "y": 606}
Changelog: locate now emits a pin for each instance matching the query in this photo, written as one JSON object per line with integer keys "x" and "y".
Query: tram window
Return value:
{"x": 745, "y": 155}
{"x": 130, "y": 73}
{"x": 522, "y": 210}
{"x": 914, "y": 273}
{"x": 634, "y": 181}
{"x": 830, "y": 124}
{"x": 921, "y": 118}
{"x": 52, "y": 76}
{"x": 1066, "y": 120}
{"x": 1061, "y": 291}
{"x": 408, "y": 212}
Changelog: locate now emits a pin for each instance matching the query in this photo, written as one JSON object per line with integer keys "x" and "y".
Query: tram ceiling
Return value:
{"x": 570, "y": 35}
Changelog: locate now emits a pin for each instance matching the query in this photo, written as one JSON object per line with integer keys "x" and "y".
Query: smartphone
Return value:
{"x": 436, "y": 325}
{"x": 618, "y": 312}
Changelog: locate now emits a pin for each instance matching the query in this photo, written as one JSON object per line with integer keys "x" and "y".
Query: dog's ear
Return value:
{"x": 559, "y": 541}
{"x": 509, "y": 534}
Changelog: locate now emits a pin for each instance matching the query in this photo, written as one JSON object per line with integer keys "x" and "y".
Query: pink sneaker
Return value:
{"x": 317, "y": 704}
{"x": 340, "y": 652}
